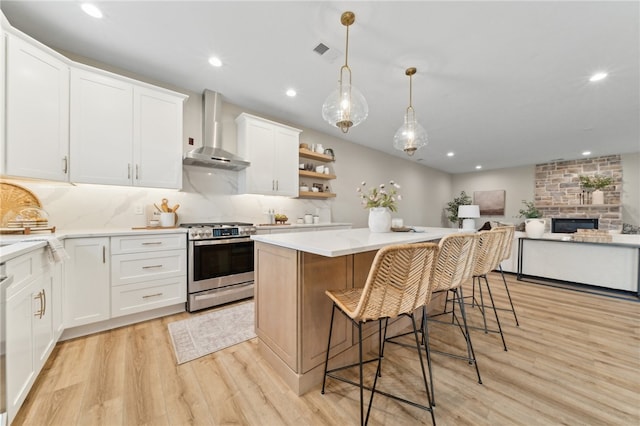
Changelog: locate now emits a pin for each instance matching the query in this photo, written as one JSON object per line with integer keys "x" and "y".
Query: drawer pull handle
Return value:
{"x": 152, "y": 266}
{"x": 152, "y": 295}
{"x": 155, "y": 243}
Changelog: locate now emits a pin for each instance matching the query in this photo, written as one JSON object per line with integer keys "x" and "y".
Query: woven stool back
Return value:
{"x": 399, "y": 281}
{"x": 507, "y": 240}
{"x": 455, "y": 261}
{"x": 488, "y": 251}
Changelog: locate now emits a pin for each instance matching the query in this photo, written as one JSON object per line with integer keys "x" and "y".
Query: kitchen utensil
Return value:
{"x": 175, "y": 207}
{"x": 158, "y": 208}
{"x": 165, "y": 205}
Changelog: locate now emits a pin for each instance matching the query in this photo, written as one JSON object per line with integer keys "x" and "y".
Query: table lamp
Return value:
{"x": 468, "y": 212}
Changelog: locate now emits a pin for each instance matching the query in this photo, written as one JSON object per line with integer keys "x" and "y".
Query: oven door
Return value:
{"x": 219, "y": 263}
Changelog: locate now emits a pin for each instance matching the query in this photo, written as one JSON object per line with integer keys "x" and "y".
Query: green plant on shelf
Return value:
{"x": 594, "y": 182}
{"x": 530, "y": 211}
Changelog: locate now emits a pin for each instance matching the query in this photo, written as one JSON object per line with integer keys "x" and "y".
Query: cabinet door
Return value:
{"x": 19, "y": 347}
{"x": 101, "y": 129}
{"x": 157, "y": 139}
{"x": 56, "y": 301}
{"x": 42, "y": 321}
{"x": 87, "y": 287}
{"x": 285, "y": 161}
{"x": 37, "y": 112}
{"x": 257, "y": 145}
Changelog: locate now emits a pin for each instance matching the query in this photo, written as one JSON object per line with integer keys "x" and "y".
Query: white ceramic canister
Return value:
{"x": 308, "y": 219}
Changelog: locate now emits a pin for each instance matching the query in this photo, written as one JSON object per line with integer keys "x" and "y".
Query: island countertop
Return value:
{"x": 333, "y": 243}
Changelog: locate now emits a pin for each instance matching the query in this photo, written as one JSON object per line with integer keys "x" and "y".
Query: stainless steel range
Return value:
{"x": 220, "y": 263}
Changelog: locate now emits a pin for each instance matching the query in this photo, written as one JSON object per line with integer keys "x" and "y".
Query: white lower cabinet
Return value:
{"x": 147, "y": 272}
{"x": 30, "y": 331}
{"x": 86, "y": 284}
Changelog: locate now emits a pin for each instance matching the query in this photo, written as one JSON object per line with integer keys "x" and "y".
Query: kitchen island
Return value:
{"x": 292, "y": 272}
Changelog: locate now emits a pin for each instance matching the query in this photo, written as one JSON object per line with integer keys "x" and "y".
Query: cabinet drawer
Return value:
{"x": 24, "y": 268}
{"x": 137, "y": 267}
{"x": 132, "y": 298}
{"x": 148, "y": 242}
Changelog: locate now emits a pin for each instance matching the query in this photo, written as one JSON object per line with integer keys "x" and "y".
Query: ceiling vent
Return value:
{"x": 321, "y": 49}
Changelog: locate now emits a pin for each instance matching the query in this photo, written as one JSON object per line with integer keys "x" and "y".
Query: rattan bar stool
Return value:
{"x": 399, "y": 282}
{"x": 488, "y": 255}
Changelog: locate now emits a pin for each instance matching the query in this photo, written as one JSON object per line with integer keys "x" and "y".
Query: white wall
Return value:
{"x": 518, "y": 182}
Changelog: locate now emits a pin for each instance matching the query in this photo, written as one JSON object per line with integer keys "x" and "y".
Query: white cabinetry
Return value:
{"x": 123, "y": 133}
{"x": 147, "y": 272}
{"x": 37, "y": 112}
{"x": 272, "y": 149}
{"x": 86, "y": 284}
{"x": 30, "y": 331}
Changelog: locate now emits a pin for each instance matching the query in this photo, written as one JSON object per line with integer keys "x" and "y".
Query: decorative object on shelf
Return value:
{"x": 411, "y": 136}
{"x": 593, "y": 185}
{"x": 281, "y": 219}
{"x": 469, "y": 213}
{"x": 345, "y": 107}
{"x": 329, "y": 152}
{"x": 317, "y": 186}
{"x": 592, "y": 236}
{"x": 452, "y": 208}
{"x": 491, "y": 202}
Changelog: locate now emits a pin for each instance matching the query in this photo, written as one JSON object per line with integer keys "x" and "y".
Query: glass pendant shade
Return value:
{"x": 411, "y": 136}
{"x": 345, "y": 107}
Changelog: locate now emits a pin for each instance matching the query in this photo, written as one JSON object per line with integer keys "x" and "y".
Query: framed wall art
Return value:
{"x": 491, "y": 202}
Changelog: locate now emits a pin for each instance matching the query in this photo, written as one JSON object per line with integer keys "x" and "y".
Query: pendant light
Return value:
{"x": 345, "y": 107}
{"x": 411, "y": 136}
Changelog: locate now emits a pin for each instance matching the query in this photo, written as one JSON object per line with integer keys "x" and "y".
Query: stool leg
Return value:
{"x": 326, "y": 360}
{"x": 427, "y": 349}
{"x": 467, "y": 336}
{"x": 506, "y": 287}
{"x": 424, "y": 375}
{"x": 378, "y": 369}
{"x": 481, "y": 305}
{"x": 361, "y": 374}
{"x": 495, "y": 311}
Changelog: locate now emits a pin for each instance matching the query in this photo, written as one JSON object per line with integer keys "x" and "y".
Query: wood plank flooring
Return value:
{"x": 575, "y": 360}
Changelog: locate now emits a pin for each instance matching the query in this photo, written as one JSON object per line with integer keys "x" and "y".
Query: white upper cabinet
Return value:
{"x": 157, "y": 136}
{"x": 272, "y": 149}
{"x": 101, "y": 129}
{"x": 123, "y": 133}
{"x": 37, "y": 112}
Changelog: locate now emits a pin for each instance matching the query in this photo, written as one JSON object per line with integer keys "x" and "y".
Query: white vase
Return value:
{"x": 534, "y": 227}
{"x": 597, "y": 197}
{"x": 379, "y": 219}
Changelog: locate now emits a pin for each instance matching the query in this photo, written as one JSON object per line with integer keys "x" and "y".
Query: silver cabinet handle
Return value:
{"x": 44, "y": 302}
{"x": 153, "y": 243}
{"x": 104, "y": 254}
{"x": 151, "y": 295}
{"x": 129, "y": 171}
{"x": 152, "y": 266}
{"x": 39, "y": 313}
{"x": 65, "y": 166}
{"x": 137, "y": 172}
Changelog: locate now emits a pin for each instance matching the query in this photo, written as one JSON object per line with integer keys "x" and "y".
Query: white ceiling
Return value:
{"x": 501, "y": 84}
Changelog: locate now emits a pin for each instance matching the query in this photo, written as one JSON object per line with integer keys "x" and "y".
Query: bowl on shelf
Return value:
{"x": 304, "y": 188}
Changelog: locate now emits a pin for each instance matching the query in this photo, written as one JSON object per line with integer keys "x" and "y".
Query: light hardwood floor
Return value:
{"x": 575, "y": 360}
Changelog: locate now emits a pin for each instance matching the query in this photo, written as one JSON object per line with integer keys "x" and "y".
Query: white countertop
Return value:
{"x": 332, "y": 243}
{"x": 20, "y": 244}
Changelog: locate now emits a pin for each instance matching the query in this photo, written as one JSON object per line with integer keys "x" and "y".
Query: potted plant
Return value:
{"x": 380, "y": 201}
{"x": 594, "y": 185}
{"x": 534, "y": 225}
{"x": 452, "y": 207}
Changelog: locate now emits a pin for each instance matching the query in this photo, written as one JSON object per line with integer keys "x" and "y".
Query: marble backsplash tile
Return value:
{"x": 208, "y": 195}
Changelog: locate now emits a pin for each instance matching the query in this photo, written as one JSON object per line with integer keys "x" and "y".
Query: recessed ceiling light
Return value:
{"x": 478, "y": 166}
{"x": 91, "y": 10}
{"x": 291, "y": 93}
{"x": 586, "y": 153}
{"x": 215, "y": 61}
{"x": 450, "y": 154}
{"x": 598, "y": 76}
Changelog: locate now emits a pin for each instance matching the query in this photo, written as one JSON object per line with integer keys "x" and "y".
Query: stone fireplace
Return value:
{"x": 558, "y": 193}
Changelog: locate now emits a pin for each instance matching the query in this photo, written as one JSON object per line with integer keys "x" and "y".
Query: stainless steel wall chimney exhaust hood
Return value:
{"x": 211, "y": 154}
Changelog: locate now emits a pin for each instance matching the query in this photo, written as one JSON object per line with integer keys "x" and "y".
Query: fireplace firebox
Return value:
{"x": 571, "y": 225}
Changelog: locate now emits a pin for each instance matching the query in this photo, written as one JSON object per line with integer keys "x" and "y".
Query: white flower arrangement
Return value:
{"x": 380, "y": 196}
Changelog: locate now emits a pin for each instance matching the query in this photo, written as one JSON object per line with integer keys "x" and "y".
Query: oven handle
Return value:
{"x": 224, "y": 241}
